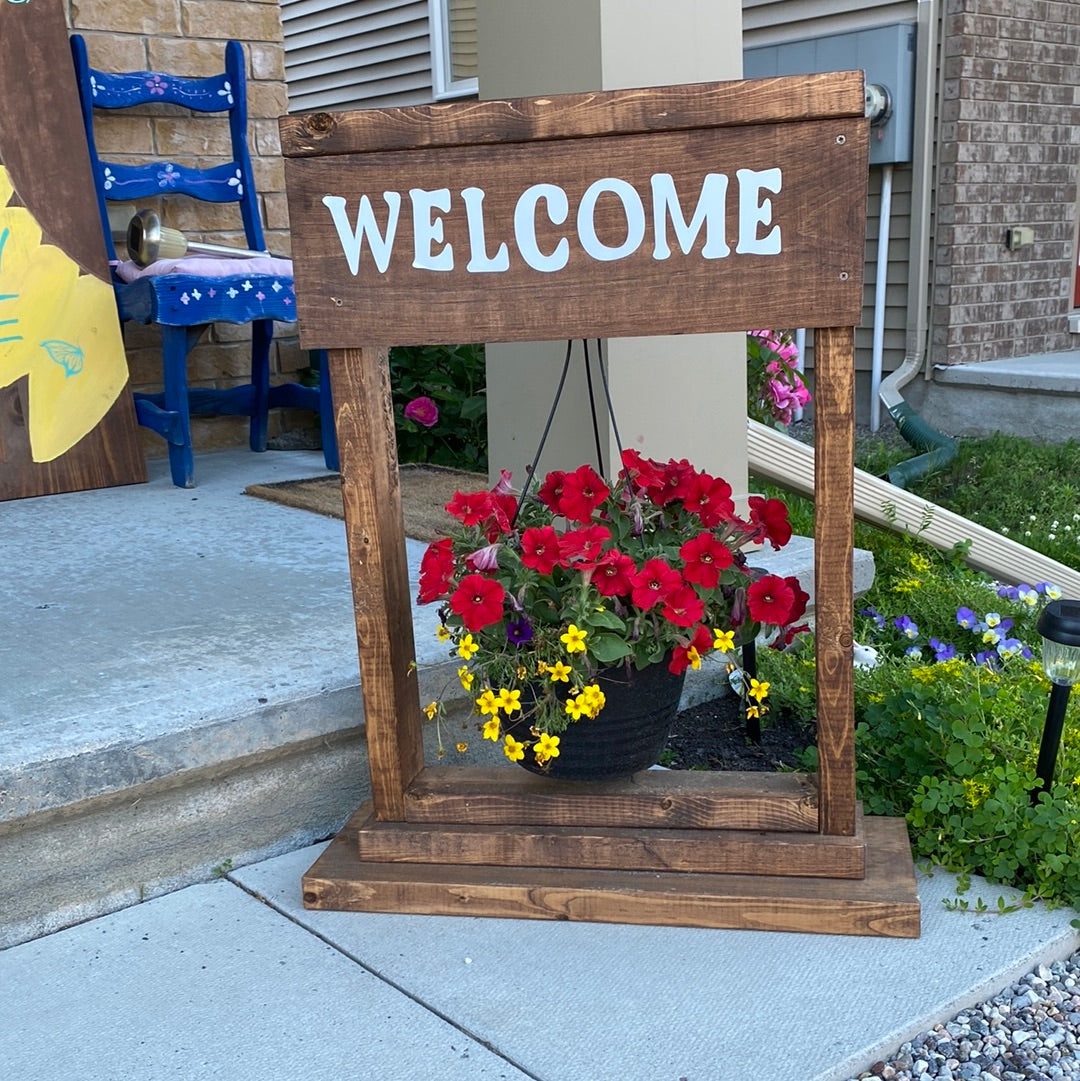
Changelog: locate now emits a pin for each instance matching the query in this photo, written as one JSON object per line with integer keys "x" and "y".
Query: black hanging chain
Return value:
{"x": 533, "y": 467}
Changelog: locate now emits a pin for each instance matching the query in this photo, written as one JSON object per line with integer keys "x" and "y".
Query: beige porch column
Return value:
{"x": 681, "y": 396}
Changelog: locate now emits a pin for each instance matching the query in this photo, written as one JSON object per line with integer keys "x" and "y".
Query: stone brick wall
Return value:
{"x": 1009, "y": 110}
{"x": 187, "y": 37}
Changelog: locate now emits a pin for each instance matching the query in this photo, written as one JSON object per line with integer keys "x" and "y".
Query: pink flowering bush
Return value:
{"x": 774, "y": 387}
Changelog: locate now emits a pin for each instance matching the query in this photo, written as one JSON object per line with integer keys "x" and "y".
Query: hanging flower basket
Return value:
{"x": 543, "y": 597}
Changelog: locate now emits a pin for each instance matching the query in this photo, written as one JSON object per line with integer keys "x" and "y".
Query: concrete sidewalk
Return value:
{"x": 233, "y": 979}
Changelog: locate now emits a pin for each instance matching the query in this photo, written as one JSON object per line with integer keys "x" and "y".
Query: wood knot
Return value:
{"x": 319, "y": 123}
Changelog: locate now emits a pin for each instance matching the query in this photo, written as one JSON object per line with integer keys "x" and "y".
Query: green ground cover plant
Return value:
{"x": 950, "y": 698}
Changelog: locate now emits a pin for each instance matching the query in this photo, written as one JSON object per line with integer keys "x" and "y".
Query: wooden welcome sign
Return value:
{"x": 709, "y": 207}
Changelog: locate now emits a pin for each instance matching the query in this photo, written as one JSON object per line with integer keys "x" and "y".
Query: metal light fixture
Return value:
{"x": 1059, "y": 625}
{"x": 148, "y": 240}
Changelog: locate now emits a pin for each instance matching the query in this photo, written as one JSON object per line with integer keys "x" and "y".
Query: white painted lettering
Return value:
{"x": 352, "y": 238}
{"x": 632, "y": 208}
{"x": 755, "y": 211}
{"x": 479, "y": 260}
{"x": 558, "y": 207}
{"x": 708, "y": 212}
{"x": 428, "y": 229}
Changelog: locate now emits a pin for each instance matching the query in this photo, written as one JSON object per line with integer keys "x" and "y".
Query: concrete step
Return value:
{"x": 181, "y": 689}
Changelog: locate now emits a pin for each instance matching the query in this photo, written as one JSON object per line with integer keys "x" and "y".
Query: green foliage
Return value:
{"x": 951, "y": 745}
{"x": 453, "y": 377}
{"x": 1024, "y": 490}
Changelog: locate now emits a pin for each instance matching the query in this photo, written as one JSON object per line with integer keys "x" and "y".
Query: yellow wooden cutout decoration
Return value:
{"x": 58, "y": 326}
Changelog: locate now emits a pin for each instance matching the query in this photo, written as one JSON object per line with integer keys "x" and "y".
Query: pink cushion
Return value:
{"x": 208, "y": 266}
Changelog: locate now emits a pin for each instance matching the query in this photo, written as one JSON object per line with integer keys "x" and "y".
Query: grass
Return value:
{"x": 1027, "y": 491}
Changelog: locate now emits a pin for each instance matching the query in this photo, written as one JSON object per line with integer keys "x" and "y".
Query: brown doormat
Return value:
{"x": 425, "y": 491}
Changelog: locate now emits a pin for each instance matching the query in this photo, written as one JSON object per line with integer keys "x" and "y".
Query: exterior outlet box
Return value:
{"x": 1019, "y": 236}
{"x": 887, "y": 56}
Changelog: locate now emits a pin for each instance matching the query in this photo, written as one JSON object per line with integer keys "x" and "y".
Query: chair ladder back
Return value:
{"x": 226, "y": 93}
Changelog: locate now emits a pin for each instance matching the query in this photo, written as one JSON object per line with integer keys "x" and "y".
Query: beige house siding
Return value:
{"x": 350, "y": 54}
{"x": 775, "y": 22}
{"x": 189, "y": 39}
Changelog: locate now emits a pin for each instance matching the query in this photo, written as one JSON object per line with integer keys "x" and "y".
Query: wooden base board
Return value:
{"x": 885, "y": 903}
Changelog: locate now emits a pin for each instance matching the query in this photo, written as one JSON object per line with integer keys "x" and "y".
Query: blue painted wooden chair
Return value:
{"x": 185, "y": 296}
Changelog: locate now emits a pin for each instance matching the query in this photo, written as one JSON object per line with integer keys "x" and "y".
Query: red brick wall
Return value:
{"x": 1009, "y": 112}
{"x": 188, "y": 37}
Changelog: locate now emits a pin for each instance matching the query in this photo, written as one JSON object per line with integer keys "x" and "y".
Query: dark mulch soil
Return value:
{"x": 712, "y": 736}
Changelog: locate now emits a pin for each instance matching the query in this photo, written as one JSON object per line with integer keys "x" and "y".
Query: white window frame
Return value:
{"x": 442, "y": 84}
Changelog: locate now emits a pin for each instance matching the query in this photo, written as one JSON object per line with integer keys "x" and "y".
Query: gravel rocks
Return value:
{"x": 1030, "y": 1032}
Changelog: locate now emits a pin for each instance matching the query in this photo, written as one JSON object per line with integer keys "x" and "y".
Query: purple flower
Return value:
{"x": 966, "y": 618}
{"x": 988, "y": 657}
{"x": 873, "y": 614}
{"x": 519, "y": 632}
{"x": 906, "y": 626}
{"x": 1008, "y": 592}
{"x": 424, "y": 411}
{"x": 943, "y": 651}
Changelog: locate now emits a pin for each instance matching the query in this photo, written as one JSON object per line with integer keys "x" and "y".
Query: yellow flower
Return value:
{"x": 975, "y": 792}
{"x": 509, "y": 701}
{"x": 758, "y": 690}
{"x": 547, "y": 747}
{"x": 462, "y": 748}
{"x": 513, "y": 750}
{"x": 491, "y": 729}
{"x": 924, "y": 674}
{"x": 466, "y": 677}
{"x": 593, "y": 699}
{"x": 443, "y": 633}
{"x": 541, "y": 667}
{"x": 753, "y": 711}
{"x": 920, "y": 563}
{"x": 693, "y": 658}
{"x": 559, "y": 671}
{"x": 522, "y": 672}
{"x": 575, "y": 707}
{"x": 573, "y": 639}
{"x": 467, "y": 647}
{"x": 723, "y": 640}
{"x": 488, "y": 703}
{"x": 431, "y": 709}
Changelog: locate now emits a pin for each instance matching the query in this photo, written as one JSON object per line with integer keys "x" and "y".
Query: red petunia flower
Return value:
{"x": 645, "y": 475}
{"x": 677, "y": 478}
{"x": 710, "y": 499}
{"x": 700, "y": 644}
{"x": 540, "y": 548}
{"x": 612, "y": 574}
{"x": 436, "y": 570}
{"x": 582, "y": 492}
{"x": 478, "y": 600}
{"x": 704, "y": 557}
{"x": 802, "y": 599}
{"x": 653, "y": 584}
{"x": 550, "y": 492}
{"x": 583, "y": 544}
{"x": 770, "y": 516}
{"x": 771, "y": 600}
{"x": 683, "y": 606}
{"x": 471, "y": 508}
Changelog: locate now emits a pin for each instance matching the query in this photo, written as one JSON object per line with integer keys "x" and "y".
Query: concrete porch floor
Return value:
{"x": 180, "y": 721}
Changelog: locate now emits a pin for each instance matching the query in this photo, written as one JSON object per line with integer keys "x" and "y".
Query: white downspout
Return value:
{"x": 880, "y": 287}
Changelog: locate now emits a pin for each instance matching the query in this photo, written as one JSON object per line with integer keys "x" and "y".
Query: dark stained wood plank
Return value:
{"x": 378, "y": 565}
{"x": 884, "y": 903}
{"x": 742, "y": 852}
{"x": 633, "y": 111}
{"x": 834, "y": 439}
{"x": 43, "y": 150}
{"x": 816, "y": 278}
{"x": 653, "y": 798}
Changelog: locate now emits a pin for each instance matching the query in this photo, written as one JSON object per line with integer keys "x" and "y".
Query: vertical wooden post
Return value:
{"x": 834, "y": 483}
{"x": 371, "y": 490}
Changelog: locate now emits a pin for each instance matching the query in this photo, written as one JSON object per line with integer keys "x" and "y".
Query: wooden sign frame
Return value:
{"x": 783, "y": 852}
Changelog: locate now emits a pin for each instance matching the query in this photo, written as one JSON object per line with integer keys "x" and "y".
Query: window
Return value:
{"x": 453, "y": 48}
